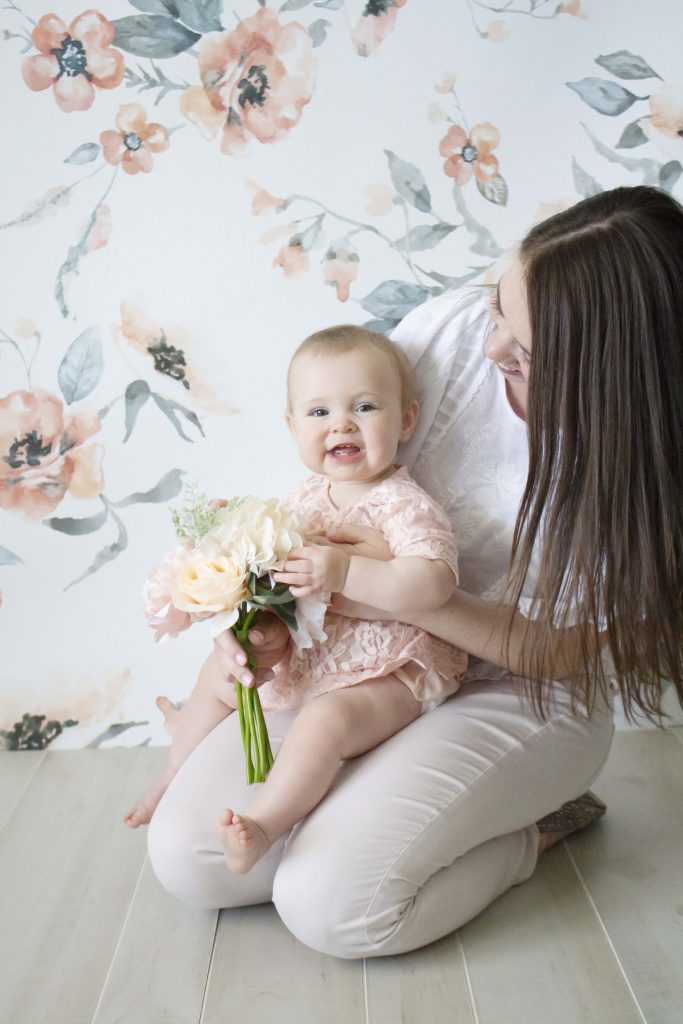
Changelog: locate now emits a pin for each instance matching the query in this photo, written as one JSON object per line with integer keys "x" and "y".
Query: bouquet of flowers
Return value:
{"x": 222, "y": 570}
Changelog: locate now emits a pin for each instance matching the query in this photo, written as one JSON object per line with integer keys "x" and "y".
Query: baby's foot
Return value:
{"x": 170, "y": 712}
{"x": 244, "y": 842}
{"x": 142, "y": 811}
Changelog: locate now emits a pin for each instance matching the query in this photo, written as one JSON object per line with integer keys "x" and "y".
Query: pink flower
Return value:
{"x": 135, "y": 141}
{"x": 256, "y": 80}
{"x": 497, "y": 32}
{"x": 293, "y": 259}
{"x": 470, "y": 155}
{"x": 375, "y": 23}
{"x": 572, "y": 7}
{"x": 262, "y": 200}
{"x": 380, "y": 199}
{"x": 667, "y": 110}
{"x": 341, "y": 269}
{"x": 43, "y": 453}
{"x": 161, "y": 614}
{"x": 74, "y": 60}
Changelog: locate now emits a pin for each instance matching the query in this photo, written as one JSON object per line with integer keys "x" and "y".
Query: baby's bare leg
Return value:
{"x": 332, "y": 728}
{"x": 210, "y": 702}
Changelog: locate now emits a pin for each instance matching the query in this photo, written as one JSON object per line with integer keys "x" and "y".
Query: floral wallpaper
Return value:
{"x": 191, "y": 187}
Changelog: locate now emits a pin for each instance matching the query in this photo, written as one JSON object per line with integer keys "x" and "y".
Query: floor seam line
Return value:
{"x": 118, "y": 942}
{"x": 210, "y": 969}
{"x": 468, "y": 980}
{"x": 602, "y": 924}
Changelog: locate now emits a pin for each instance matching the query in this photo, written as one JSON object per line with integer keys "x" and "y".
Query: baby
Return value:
{"x": 350, "y": 403}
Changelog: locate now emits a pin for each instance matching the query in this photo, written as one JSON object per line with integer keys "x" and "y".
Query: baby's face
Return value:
{"x": 345, "y": 413}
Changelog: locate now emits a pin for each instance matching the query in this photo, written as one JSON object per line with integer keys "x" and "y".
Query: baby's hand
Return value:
{"x": 314, "y": 570}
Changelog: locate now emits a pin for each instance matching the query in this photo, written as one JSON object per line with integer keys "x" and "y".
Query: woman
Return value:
{"x": 551, "y": 432}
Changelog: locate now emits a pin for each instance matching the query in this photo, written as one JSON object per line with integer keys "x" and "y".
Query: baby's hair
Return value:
{"x": 350, "y": 338}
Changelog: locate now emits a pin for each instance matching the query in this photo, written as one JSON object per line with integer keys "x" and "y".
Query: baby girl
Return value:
{"x": 350, "y": 403}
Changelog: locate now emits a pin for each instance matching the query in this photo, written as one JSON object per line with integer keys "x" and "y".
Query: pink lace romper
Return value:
{"x": 359, "y": 649}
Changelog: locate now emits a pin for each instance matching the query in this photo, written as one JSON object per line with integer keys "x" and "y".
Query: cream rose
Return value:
{"x": 209, "y": 584}
{"x": 259, "y": 533}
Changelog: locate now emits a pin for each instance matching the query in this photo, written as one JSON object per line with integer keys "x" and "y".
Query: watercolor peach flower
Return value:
{"x": 174, "y": 354}
{"x": 74, "y": 60}
{"x": 341, "y": 268}
{"x": 293, "y": 259}
{"x": 43, "y": 454}
{"x": 262, "y": 200}
{"x": 470, "y": 155}
{"x": 135, "y": 141}
{"x": 667, "y": 110}
{"x": 256, "y": 80}
{"x": 376, "y": 21}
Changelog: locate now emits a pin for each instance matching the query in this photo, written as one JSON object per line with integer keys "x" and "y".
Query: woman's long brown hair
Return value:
{"x": 601, "y": 512}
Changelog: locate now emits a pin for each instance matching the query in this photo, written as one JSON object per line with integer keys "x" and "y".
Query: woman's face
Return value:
{"x": 508, "y": 344}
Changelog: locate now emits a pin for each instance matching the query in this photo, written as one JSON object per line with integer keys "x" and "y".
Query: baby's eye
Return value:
{"x": 318, "y": 412}
{"x": 365, "y": 407}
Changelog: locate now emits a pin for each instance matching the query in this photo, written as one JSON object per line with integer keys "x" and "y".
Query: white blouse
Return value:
{"x": 469, "y": 450}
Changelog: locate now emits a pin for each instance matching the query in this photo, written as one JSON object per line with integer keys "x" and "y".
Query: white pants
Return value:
{"x": 414, "y": 838}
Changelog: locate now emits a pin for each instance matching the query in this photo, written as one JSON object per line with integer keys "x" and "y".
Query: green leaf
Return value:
{"x": 85, "y": 154}
{"x": 168, "y": 487}
{"x": 81, "y": 368}
{"x": 78, "y": 527}
{"x": 495, "y": 190}
{"x": 136, "y": 395}
{"x": 169, "y": 409}
{"x": 426, "y": 236}
{"x": 152, "y": 35}
{"x": 604, "y": 96}
{"x": 632, "y": 136}
{"x": 409, "y": 182}
{"x": 287, "y": 615}
{"x": 8, "y": 557}
{"x": 627, "y": 65}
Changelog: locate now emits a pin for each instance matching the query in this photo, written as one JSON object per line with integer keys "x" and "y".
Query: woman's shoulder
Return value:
{"x": 453, "y": 323}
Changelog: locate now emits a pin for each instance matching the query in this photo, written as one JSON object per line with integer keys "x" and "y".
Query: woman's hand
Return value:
{"x": 270, "y": 642}
{"x": 358, "y": 540}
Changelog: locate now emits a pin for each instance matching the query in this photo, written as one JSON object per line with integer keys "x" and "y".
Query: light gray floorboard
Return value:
{"x": 159, "y": 971}
{"x": 633, "y": 866}
{"x": 539, "y": 954}
{"x": 428, "y": 985}
{"x": 17, "y": 768}
{"x": 68, "y": 867}
{"x": 261, "y": 974}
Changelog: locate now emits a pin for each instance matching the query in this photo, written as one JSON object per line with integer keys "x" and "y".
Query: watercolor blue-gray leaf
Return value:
{"x": 495, "y": 190}
{"x": 201, "y": 15}
{"x": 170, "y": 486}
{"x": 77, "y": 527}
{"x": 604, "y": 96}
{"x": 81, "y": 368}
{"x": 136, "y": 395}
{"x": 392, "y": 300}
{"x": 85, "y": 154}
{"x": 8, "y": 557}
{"x": 425, "y": 236}
{"x": 156, "y": 6}
{"x": 409, "y": 182}
{"x": 669, "y": 174}
{"x": 584, "y": 184}
{"x": 152, "y": 35}
{"x": 317, "y": 30}
{"x": 624, "y": 64}
{"x": 632, "y": 136}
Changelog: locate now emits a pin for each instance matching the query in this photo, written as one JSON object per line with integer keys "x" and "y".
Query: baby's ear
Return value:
{"x": 289, "y": 420}
{"x": 409, "y": 421}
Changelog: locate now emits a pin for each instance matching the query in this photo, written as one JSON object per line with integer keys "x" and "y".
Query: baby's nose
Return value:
{"x": 344, "y": 426}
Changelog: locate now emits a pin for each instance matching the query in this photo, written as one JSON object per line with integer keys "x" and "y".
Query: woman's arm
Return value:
{"x": 481, "y": 628}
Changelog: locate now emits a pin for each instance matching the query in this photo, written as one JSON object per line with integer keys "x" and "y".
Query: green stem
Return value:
{"x": 255, "y": 740}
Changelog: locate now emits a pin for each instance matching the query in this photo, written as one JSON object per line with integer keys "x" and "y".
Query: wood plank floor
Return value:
{"x": 88, "y": 936}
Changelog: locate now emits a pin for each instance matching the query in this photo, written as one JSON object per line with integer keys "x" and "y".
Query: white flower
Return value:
{"x": 310, "y": 617}
{"x": 259, "y": 534}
